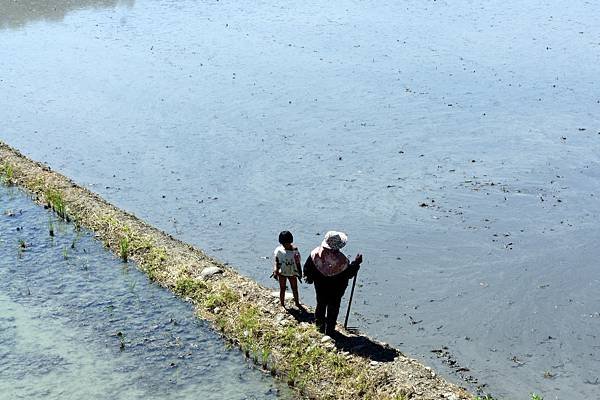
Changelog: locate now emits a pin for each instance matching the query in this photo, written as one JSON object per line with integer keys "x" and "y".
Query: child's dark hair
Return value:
{"x": 286, "y": 237}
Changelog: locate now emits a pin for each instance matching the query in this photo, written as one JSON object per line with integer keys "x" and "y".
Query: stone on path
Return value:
{"x": 209, "y": 272}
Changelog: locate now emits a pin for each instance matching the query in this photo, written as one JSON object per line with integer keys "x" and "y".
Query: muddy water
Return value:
{"x": 77, "y": 323}
{"x": 456, "y": 143}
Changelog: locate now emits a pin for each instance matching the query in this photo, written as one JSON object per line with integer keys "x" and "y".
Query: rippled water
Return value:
{"x": 456, "y": 142}
{"x": 76, "y": 323}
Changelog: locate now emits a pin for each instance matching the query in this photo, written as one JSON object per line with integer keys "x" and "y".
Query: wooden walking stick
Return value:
{"x": 351, "y": 329}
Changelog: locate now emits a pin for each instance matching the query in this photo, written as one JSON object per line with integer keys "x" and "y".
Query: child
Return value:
{"x": 287, "y": 265}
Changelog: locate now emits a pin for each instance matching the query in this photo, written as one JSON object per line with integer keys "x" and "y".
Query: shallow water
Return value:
{"x": 225, "y": 122}
{"x": 77, "y": 323}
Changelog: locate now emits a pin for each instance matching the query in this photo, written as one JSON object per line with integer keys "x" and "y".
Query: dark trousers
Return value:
{"x": 327, "y": 310}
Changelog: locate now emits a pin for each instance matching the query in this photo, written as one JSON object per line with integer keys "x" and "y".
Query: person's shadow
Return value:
{"x": 356, "y": 344}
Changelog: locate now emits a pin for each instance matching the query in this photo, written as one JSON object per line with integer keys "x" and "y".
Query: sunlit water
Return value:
{"x": 76, "y": 323}
{"x": 226, "y": 122}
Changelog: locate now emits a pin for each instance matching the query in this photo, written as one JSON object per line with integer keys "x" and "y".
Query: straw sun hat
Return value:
{"x": 334, "y": 240}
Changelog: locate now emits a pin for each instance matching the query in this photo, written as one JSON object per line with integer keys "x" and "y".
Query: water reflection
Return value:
{"x": 17, "y": 13}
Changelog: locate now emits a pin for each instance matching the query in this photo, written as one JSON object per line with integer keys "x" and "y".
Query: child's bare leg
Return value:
{"x": 294, "y": 285}
{"x": 282, "y": 290}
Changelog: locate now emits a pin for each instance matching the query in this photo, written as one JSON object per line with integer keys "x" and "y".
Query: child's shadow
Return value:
{"x": 358, "y": 344}
{"x": 301, "y": 315}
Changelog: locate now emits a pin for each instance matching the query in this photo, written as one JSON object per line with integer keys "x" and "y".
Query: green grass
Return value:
{"x": 188, "y": 287}
{"x": 265, "y": 355}
{"x": 153, "y": 262}
{"x": 55, "y": 201}
{"x": 305, "y": 364}
{"x": 256, "y": 336}
{"x": 124, "y": 248}
{"x": 140, "y": 243}
{"x": 248, "y": 321}
{"x": 362, "y": 385}
{"x": 8, "y": 173}
{"x": 248, "y": 331}
{"x": 220, "y": 297}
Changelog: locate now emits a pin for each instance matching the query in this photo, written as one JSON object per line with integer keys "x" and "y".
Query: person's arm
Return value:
{"x": 309, "y": 270}
{"x": 354, "y": 266}
{"x": 276, "y": 266}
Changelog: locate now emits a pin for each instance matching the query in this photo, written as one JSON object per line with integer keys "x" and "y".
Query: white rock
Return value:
{"x": 450, "y": 396}
{"x": 325, "y": 339}
{"x": 210, "y": 271}
{"x": 281, "y": 320}
{"x": 288, "y": 295}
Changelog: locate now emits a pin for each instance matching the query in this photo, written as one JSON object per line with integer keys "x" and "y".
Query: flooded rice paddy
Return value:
{"x": 77, "y": 323}
{"x": 456, "y": 142}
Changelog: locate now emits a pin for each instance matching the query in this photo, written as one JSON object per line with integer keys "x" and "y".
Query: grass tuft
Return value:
{"x": 124, "y": 248}
{"x": 220, "y": 297}
{"x": 55, "y": 200}
{"x": 8, "y": 173}
{"x": 189, "y": 287}
{"x": 265, "y": 355}
{"x": 153, "y": 263}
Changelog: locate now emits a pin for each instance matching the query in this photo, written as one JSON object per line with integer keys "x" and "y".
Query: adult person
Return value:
{"x": 329, "y": 269}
